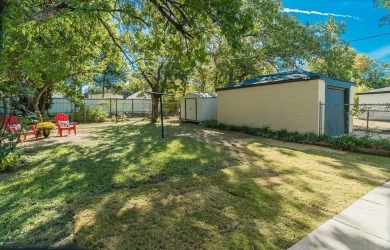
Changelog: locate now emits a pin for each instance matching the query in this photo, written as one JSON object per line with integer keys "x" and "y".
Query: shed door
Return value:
{"x": 191, "y": 109}
{"x": 335, "y": 111}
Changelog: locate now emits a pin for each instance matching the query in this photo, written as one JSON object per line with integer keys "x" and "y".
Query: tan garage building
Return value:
{"x": 290, "y": 101}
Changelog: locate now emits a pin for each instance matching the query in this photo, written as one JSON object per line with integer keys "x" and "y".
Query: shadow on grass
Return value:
{"x": 123, "y": 157}
{"x": 130, "y": 189}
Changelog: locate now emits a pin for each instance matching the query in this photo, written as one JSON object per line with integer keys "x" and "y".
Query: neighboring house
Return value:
{"x": 141, "y": 102}
{"x": 290, "y": 101}
{"x": 140, "y": 95}
{"x": 375, "y": 104}
{"x": 107, "y": 95}
{"x": 375, "y": 96}
{"x": 199, "y": 106}
{"x": 57, "y": 95}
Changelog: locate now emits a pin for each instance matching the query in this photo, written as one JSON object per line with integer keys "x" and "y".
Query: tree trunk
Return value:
{"x": 103, "y": 92}
{"x": 38, "y": 112}
{"x": 5, "y": 105}
{"x": 43, "y": 100}
{"x": 36, "y": 102}
{"x": 154, "y": 116}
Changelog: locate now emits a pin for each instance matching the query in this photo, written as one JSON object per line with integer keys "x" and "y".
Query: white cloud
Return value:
{"x": 380, "y": 53}
{"x": 313, "y": 12}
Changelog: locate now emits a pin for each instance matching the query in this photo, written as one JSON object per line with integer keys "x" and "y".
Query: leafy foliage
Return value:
{"x": 384, "y": 4}
{"x": 114, "y": 73}
{"x": 9, "y": 154}
{"x": 93, "y": 114}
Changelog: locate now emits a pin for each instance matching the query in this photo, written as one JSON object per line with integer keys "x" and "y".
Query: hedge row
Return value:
{"x": 348, "y": 142}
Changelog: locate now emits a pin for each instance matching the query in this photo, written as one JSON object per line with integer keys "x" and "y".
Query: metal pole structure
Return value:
{"x": 116, "y": 110}
{"x": 162, "y": 117}
{"x": 85, "y": 113}
{"x": 161, "y": 110}
{"x": 110, "y": 109}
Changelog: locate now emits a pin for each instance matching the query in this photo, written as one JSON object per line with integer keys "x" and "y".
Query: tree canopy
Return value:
{"x": 165, "y": 46}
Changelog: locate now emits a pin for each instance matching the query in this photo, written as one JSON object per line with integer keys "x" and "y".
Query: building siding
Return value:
{"x": 206, "y": 107}
{"x": 380, "y": 112}
{"x": 292, "y": 106}
{"x": 209, "y": 109}
{"x": 374, "y": 98}
{"x": 321, "y": 110}
{"x": 106, "y": 96}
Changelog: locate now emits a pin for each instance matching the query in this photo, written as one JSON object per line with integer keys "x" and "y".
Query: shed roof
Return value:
{"x": 204, "y": 95}
{"x": 376, "y": 91}
{"x": 291, "y": 76}
{"x": 139, "y": 95}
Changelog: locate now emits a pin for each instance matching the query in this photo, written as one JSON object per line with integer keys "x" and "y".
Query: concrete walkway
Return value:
{"x": 363, "y": 225}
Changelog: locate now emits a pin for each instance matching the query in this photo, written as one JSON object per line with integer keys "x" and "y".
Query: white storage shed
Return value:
{"x": 199, "y": 106}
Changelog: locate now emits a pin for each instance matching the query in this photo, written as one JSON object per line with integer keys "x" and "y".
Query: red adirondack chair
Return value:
{"x": 62, "y": 122}
{"x": 12, "y": 125}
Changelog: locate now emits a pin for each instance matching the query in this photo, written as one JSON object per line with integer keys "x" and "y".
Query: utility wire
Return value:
{"x": 368, "y": 37}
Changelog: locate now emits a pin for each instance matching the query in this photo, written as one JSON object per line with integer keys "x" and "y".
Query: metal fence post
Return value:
{"x": 75, "y": 111}
{"x": 116, "y": 110}
{"x": 110, "y": 108}
{"x": 85, "y": 113}
{"x": 368, "y": 119}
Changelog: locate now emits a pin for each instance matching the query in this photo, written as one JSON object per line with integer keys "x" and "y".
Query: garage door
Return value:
{"x": 191, "y": 109}
{"x": 335, "y": 111}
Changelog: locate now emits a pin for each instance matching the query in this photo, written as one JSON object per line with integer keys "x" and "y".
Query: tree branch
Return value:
{"x": 171, "y": 18}
{"x": 114, "y": 39}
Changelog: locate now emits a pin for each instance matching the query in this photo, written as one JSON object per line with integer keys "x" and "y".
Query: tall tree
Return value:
{"x": 335, "y": 57}
{"x": 162, "y": 53}
{"x": 58, "y": 53}
{"x": 371, "y": 73}
{"x": 114, "y": 73}
{"x": 274, "y": 42}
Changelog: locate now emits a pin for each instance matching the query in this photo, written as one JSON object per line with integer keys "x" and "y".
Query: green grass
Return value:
{"x": 125, "y": 188}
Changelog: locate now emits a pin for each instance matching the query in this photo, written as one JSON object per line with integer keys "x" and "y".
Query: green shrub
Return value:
{"x": 92, "y": 114}
{"x": 9, "y": 154}
{"x": 210, "y": 124}
{"x": 344, "y": 142}
{"x": 96, "y": 114}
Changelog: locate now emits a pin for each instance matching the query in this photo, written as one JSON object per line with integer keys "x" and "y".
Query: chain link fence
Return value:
{"x": 371, "y": 120}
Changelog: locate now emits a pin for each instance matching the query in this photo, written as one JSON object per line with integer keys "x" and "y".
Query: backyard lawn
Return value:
{"x": 121, "y": 187}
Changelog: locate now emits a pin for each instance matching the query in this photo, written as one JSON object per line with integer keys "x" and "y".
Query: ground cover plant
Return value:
{"x": 120, "y": 187}
{"x": 348, "y": 142}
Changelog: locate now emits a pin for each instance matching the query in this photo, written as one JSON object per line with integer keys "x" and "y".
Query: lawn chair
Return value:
{"x": 12, "y": 125}
{"x": 62, "y": 122}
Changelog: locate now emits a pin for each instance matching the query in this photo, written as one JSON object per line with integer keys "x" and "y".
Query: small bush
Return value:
{"x": 92, "y": 114}
{"x": 9, "y": 154}
{"x": 210, "y": 124}
{"x": 96, "y": 114}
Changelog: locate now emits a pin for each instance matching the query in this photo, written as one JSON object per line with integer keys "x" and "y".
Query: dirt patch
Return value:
{"x": 83, "y": 133}
{"x": 224, "y": 138}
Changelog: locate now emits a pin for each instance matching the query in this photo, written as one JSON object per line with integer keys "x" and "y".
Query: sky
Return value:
{"x": 361, "y": 17}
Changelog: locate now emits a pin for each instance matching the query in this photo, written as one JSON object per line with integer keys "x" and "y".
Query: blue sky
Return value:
{"x": 361, "y": 17}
